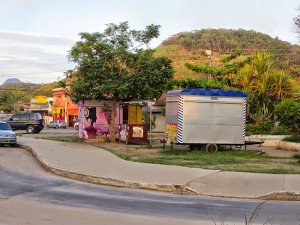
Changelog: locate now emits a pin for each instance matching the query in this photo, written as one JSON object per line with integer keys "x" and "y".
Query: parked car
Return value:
{"x": 7, "y": 136}
{"x": 76, "y": 125}
{"x": 31, "y": 122}
{"x": 57, "y": 124}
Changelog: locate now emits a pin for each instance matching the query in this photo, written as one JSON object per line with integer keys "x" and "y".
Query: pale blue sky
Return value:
{"x": 35, "y": 35}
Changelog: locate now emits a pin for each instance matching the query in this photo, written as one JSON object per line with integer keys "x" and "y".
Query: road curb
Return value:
{"x": 281, "y": 195}
{"x": 178, "y": 189}
{"x": 171, "y": 188}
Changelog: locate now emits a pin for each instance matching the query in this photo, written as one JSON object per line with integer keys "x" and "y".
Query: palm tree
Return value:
{"x": 265, "y": 86}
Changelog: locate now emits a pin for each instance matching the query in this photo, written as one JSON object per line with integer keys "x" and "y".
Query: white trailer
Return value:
{"x": 206, "y": 117}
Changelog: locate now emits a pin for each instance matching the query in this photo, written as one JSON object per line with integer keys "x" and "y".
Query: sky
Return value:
{"x": 36, "y": 35}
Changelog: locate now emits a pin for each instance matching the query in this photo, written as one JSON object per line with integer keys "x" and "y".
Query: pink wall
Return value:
{"x": 93, "y": 121}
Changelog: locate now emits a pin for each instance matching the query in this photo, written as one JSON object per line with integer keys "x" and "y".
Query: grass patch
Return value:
{"x": 62, "y": 138}
{"x": 296, "y": 156}
{"x": 225, "y": 159}
{"x": 295, "y": 139}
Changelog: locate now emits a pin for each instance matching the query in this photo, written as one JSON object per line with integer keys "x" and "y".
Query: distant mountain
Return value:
{"x": 12, "y": 80}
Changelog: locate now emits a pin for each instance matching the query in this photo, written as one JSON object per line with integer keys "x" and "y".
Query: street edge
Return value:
{"x": 172, "y": 188}
{"x": 178, "y": 189}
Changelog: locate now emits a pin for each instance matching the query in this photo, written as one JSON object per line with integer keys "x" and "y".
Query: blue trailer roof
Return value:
{"x": 209, "y": 92}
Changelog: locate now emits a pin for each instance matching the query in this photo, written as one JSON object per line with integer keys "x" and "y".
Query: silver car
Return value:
{"x": 57, "y": 124}
{"x": 7, "y": 136}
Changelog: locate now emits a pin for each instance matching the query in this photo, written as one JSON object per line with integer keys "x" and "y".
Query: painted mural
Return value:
{"x": 96, "y": 120}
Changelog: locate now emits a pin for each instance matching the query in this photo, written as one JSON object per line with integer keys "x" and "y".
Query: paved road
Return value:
{"x": 22, "y": 180}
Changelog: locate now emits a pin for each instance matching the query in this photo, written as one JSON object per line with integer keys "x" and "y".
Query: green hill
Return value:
{"x": 30, "y": 90}
{"x": 191, "y": 46}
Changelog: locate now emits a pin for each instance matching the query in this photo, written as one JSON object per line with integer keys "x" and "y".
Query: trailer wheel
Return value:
{"x": 211, "y": 148}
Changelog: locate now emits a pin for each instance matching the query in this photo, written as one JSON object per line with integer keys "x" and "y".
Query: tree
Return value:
{"x": 113, "y": 64}
{"x": 288, "y": 113}
{"x": 9, "y": 100}
{"x": 264, "y": 85}
{"x": 228, "y": 70}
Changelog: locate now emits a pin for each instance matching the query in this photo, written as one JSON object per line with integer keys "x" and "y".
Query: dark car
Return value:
{"x": 57, "y": 124}
{"x": 7, "y": 136}
{"x": 31, "y": 122}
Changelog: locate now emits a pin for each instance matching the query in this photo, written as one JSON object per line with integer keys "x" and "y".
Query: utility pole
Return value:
{"x": 209, "y": 55}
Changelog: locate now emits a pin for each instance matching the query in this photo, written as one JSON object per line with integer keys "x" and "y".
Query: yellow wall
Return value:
{"x": 135, "y": 114}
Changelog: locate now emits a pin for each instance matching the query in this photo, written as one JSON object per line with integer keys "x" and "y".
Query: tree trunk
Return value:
{"x": 112, "y": 135}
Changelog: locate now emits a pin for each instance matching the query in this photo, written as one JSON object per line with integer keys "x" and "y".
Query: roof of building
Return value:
{"x": 209, "y": 92}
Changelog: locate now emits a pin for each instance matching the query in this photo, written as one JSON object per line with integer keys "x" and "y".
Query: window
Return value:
{"x": 38, "y": 116}
{"x": 16, "y": 117}
{"x": 31, "y": 116}
{"x": 24, "y": 117}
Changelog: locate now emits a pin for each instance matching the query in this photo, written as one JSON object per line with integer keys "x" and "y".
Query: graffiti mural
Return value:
{"x": 97, "y": 118}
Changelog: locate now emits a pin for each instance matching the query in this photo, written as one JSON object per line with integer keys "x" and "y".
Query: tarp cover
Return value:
{"x": 209, "y": 92}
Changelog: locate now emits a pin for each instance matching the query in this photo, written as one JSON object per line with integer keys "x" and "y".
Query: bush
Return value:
{"x": 260, "y": 128}
{"x": 280, "y": 130}
{"x": 288, "y": 113}
{"x": 295, "y": 139}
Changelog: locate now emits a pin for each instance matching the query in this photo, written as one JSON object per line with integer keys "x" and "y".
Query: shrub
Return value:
{"x": 260, "y": 128}
{"x": 288, "y": 113}
{"x": 295, "y": 139}
{"x": 280, "y": 130}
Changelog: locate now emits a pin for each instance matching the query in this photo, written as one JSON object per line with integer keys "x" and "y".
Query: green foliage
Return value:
{"x": 146, "y": 120}
{"x": 228, "y": 70}
{"x": 288, "y": 113}
{"x": 114, "y": 65}
{"x": 46, "y": 89}
{"x": 9, "y": 101}
{"x": 280, "y": 130}
{"x": 260, "y": 128}
{"x": 62, "y": 138}
{"x": 232, "y": 56}
{"x": 107, "y": 111}
{"x": 264, "y": 85}
{"x": 189, "y": 83}
{"x": 226, "y": 41}
{"x": 225, "y": 159}
{"x": 295, "y": 139}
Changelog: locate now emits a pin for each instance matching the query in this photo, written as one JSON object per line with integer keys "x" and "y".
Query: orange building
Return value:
{"x": 63, "y": 107}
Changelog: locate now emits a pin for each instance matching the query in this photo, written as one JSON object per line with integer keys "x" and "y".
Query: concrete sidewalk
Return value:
{"x": 88, "y": 163}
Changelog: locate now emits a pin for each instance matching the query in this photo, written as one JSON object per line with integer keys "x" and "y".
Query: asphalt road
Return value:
{"x": 22, "y": 178}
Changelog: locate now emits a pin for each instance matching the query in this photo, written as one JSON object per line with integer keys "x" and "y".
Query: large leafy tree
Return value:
{"x": 115, "y": 64}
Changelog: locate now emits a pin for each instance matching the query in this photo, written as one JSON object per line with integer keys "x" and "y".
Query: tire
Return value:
{"x": 211, "y": 147}
{"x": 14, "y": 145}
{"x": 30, "y": 129}
{"x": 56, "y": 127}
{"x": 37, "y": 131}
